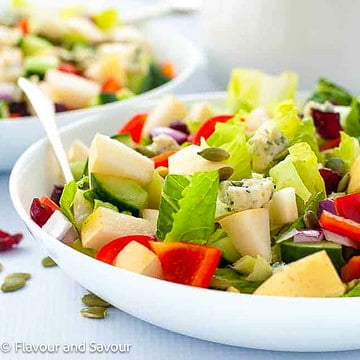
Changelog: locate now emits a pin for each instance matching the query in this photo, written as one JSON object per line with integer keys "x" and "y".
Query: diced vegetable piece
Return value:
{"x": 166, "y": 111}
{"x": 154, "y": 190}
{"x": 34, "y": 45}
{"x": 312, "y": 276}
{"x": 82, "y": 208}
{"x": 59, "y": 227}
{"x": 124, "y": 193}
{"x": 340, "y": 239}
{"x": 208, "y": 127}
{"x": 134, "y": 126}
{"x": 39, "y": 65}
{"x": 139, "y": 259}
{"x": 354, "y": 183}
{"x": 73, "y": 91}
{"x": 327, "y": 205}
{"x": 78, "y": 151}
{"x": 109, "y": 251}
{"x": 106, "y": 98}
{"x": 4, "y": 109}
{"x": 188, "y": 264}
{"x": 308, "y": 236}
{"x": 187, "y": 162}
{"x": 177, "y": 135}
{"x": 291, "y": 251}
{"x": 68, "y": 68}
{"x": 110, "y": 157}
{"x": 250, "y": 232}
{"x": 226, "y": 245}
{"x": 283, "y": 208}
{"x": 348, "y": 206}
{"x": 162, "y": 159}
{"x": 45, "y": 200}
{"x": 351, "y": 270}
{"x": 105, "y": 225}
{"x": 340, "y": 225}
{"x": 152, "y": 216}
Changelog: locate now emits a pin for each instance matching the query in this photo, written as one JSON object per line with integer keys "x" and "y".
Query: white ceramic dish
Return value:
{"x": 17, "y": 134}
{"x": 273, "y": 323}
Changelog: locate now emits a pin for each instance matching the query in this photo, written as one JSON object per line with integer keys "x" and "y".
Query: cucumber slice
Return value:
{"x": 291, "y": 251}
{"x": 106, "y": 98}
{"x": 123, "y": 193}
{"x": 39, "y": 65}
{"x": 34, "y": 45}
{"x": 125, "y": 139}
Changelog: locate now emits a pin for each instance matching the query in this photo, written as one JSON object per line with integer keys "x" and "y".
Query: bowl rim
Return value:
{"x": 198, "y": 59}
{"x": 34, "y": 228}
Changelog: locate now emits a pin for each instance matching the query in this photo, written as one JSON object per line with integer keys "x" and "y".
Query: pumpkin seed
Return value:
{"x": 336, "y": 164}
{"x": 310, "y": 220}
{"x": 48, "y": 262}
{"x": 214, "y": 154}
{"x": 143, "y": 150}
{"x": 225, "y": 172}
{"x": 94, "y": 312}
{"x": 344, "y": 182}
{"x": 93, "y": 300}
{"x": 13, "y": 284}
{"x": 163, "y": 171}
{"x": 25, "y": 276}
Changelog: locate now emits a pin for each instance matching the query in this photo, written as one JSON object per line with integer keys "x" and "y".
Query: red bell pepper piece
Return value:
{"x": 162, "y": 159}
{"x": 69, "y": 68}
{"x": 186, "y": 263}
{"x": 340, "y": 225}
{"x": 109, "y": 251}
{"x": 351, "y": 270}
{"x": 45, "y": 200}
{"x": 348, "y": 206}
{"x": 208, "y": 127}
{"x": 330, "y": 144}
{"x": 24, "y": 26}
{"x": 111, "y": 85}
{"x": 134, "y": 126}
{"x": 168, "y": 70}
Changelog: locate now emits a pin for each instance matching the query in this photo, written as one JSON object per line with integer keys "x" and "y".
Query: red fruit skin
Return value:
{"x": 186, "y": 263}
{"x": 327, "y": 123}
{"x": 7, "y": 241}
{"x": 351, "y": 270}
{"x": 39, "y": 212}
{"x": 348, "y": 206}
{"x": 331, "y": 179}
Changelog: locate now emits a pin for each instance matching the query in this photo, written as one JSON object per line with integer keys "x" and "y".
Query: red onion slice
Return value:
{"x": 340, "y": 239}
{"x": 327, "y": 205}
{"x": 177, "y": 135}
{"x": 308, "y": 236}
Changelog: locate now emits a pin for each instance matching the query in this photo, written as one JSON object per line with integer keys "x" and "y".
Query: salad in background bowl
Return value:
{"x": 236, "y": 192}
{"x": 256, "y": 197}
{"x": 85, "y": 62}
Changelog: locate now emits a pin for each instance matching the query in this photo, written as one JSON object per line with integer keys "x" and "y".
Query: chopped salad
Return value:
{"x": 259, "y": 196}
{"x": 77, "y": 58}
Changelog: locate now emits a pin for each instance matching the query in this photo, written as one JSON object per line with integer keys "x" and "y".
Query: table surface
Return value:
{"x": 46, "y": 311}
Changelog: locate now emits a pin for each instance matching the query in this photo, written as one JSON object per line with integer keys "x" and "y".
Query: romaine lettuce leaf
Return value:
{"x": 300, "y": 171}
{"x": 249, "y": 88}
{"x": 287, "y": 119}
{"x": 231, "y": 137}
{"x": 174, "y": 186}
{"x": 194, "y": 221}
{"x": 351, "y": 123}
{"x": 348, "y": 150}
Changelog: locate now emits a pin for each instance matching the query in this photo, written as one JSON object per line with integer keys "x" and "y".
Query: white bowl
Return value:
{"x": 262, "y": 322}
{"x": 17, "y": 134}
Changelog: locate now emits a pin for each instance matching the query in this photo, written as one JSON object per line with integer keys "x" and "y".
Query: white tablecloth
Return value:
{"x": 47, "y": 310}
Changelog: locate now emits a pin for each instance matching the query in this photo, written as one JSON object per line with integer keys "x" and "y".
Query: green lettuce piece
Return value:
{"x": 300, "y": 171}
{"x": 174, "y": 186}
{"x": 348, "y": 150}
{"x": 194, "y": 221}
{"x": 107, "y": 19}
{"x": 351, "y": 123}
{"x": 326, "y": 90}
{"x": 307, "y": 133}
{"x": 354, "y": 289}
{"x": 231, "y": 137}
{"x": 67, "y": 200}
{"x": 249, "y": 89}
{"x": 226, "y": 277}
{"x": 287, "y": 119}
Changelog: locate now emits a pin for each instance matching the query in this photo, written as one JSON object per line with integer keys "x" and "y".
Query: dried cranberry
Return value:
{"x": 59, "y": 107}
{"x": 20, "y": 108}
{"x": 40, "y": 213}
{"x": 180, "y": 126}
{"x": 327, "y": 123}
{"x": 331, "y": 179}
{"x": 56, "y": 194}
{"x": 7, "y": 241}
